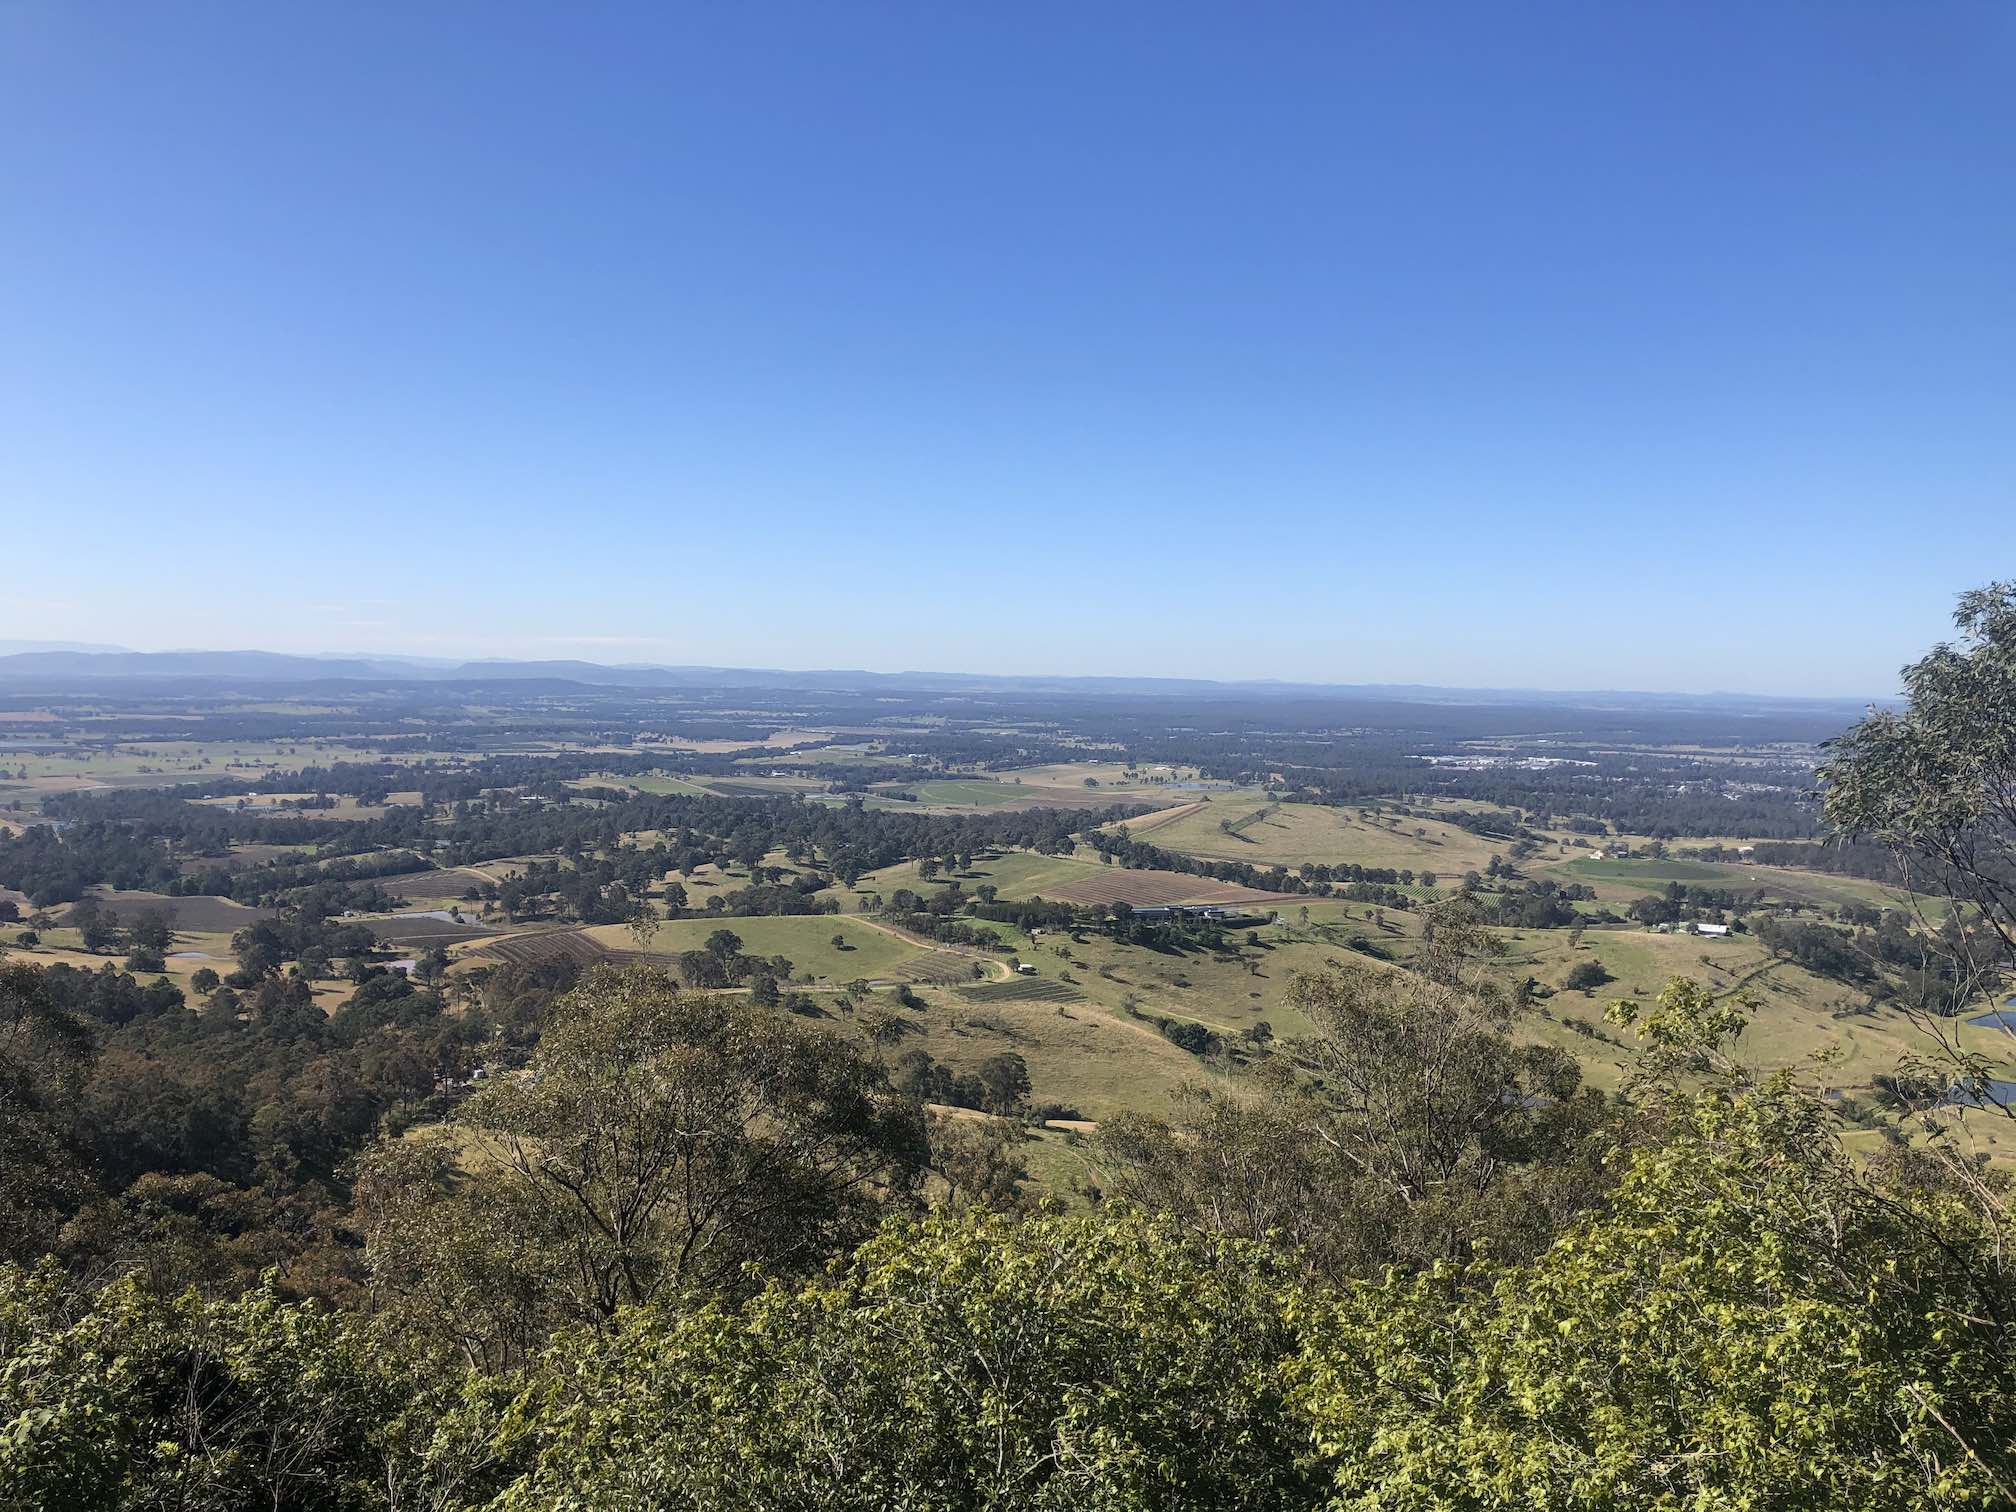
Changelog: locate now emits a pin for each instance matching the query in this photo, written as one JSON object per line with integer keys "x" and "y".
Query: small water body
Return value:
{"x": 1992, "y": 1094}
{"x": 2001, "y": 1018}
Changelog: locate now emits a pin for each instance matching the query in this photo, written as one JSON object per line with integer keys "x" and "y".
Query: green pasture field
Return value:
{"x": 976, "y": 792}
{"x": 193, "y": 950}
{"x": 837, "y": 755}
{"x": 1799, "y": 1016}
{"x": 1021, "y": 875}
{"x": 1018, "y": 875}
{"x": 1060, "y": 1167}
{"x": 805, "y": 938}
{"x": 702, "y": 787}
{"x": 1079, "y": 1054}
{"x": 1095, "y": 1053}
{"x": 82, "y": 766}
{"x": 708, "y": 877}
{"x": 1151, "y": 784}
{"x": 1291, "y": 834}
{"x": 1625, "y": 880}
{"x": 292, "y": 706}
{"x": 657, "y": 784}
{"x": 1227, "y": 993}
{"x": 1007, "y": 934}
{"x": 753, "y": 785}
{"x": 1037, "y": 787}
{"x": 343, "y": 806}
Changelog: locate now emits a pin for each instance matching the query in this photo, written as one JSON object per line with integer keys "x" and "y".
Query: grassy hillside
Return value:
{"x": 1017, "y": 874}
{"x": 1020, "y": 875}
{"x": 1102, "y": 1050}
{"x": 806, "y": 940}
{"x": 1239, "y": 827}
{"x": 1623, "y": 880}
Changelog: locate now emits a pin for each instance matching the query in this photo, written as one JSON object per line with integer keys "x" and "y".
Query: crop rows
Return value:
{"x": 1022, "y": 990}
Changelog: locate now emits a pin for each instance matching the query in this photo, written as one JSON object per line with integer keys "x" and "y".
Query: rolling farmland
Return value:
{"x": 1260, "y": 833}
{"x": 1141, "y": 888}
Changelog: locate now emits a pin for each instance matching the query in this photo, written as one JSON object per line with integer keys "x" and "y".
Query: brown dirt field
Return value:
{"x": 1149, "y": 889}
{"x": 427, "y": 931}
{"x": 939, "y": 968}
{"x": 451, "y": 883}
{"x": 575, "y": 943}
{"x": 197, "y": 915}
{"x": 539, "y": 945}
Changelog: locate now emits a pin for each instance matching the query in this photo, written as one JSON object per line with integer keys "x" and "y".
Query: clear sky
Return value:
{"x": 1661, "y": 345}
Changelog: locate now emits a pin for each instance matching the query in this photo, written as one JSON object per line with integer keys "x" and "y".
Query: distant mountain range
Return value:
{"x": 54, "y": 664}
{"x": 10, "y": 647}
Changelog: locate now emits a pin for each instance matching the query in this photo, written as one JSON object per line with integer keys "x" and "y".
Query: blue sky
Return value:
{"x": 1666, "y": 346}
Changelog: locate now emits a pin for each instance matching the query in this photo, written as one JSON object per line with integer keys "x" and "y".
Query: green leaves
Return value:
{"x": 969, "y": 1362}
{"x": 1937, "y": 782}
{"x": 127, "y": 1399}
{"x": 659, "y": 1143}
{"x": 1755, "y": 1323}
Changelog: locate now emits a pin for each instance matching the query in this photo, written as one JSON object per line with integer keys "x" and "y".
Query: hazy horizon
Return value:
{"x": 13, "y": 647}
{"x": 1371, "y": 669}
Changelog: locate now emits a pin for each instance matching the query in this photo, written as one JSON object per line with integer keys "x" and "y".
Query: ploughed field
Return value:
{"x": 453, "y": 882}
{"x": 198, "y": 913}
{"x": 1022, "y": 989}
{"x": 431, "y": 885}
{"x": 421, "y": 929}
{"x": 539, "y": 945}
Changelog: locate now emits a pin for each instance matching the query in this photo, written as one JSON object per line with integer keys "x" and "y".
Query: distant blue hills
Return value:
{"x": 48, "y": 664}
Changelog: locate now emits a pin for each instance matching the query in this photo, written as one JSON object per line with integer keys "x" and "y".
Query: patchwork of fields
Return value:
{"x": 1090, "y": 1020}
